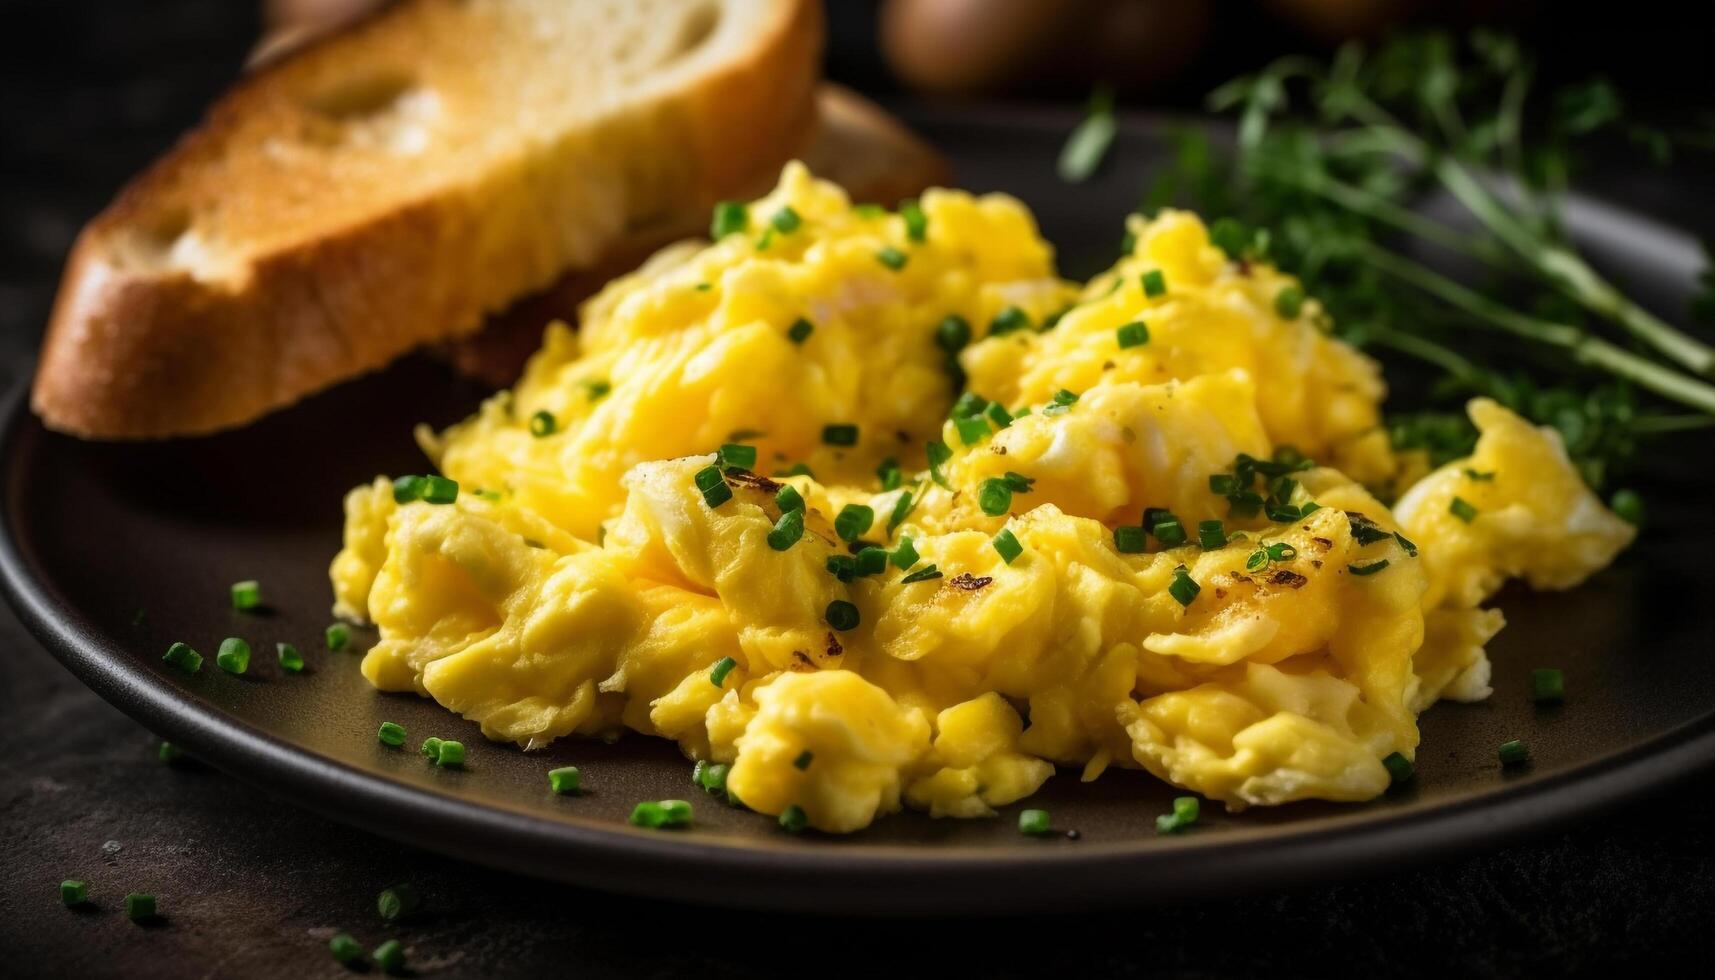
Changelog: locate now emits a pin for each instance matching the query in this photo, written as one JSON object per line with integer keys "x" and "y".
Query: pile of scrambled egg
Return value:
{"x": 880, "y": 511}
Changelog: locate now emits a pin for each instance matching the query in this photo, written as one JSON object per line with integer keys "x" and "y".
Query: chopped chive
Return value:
{"x": 998, "y": 414}
{"x": 1281, "y": 551}
{"x": 765, "y": 239}
{"x": 431, "y": 748}
{"x": 787, "y": 530}
{"x": 338, "y": 635}
{"x": 1211, "y": 534}
{"x": 389, "y": 956}
{"x": 449, "y": 754}
{"x": 440, "y": 490}
{"x": 73, "y": 892}
{"x": 714, "y": 779}
{"x": 916, "y": 222}
{"x": 1365, "y": 531}
{"x": 1222, "y": 484}
{"x": 713, "y": 486}
{"x": 953, "y": 333}
{"x": 675, "y": 813}
{"x": 1184, "y": 588}
{"x": 1154, "y": 283}
{"x": 892, "y": 257}
{"x": 938, "y": 454}
{"x": 407, "y": 489}
{"x": 1243, "y": 503}
{"x": 872, "y": 561}
{"x": 842, "y": 567}
{"x": 796, "y": 469}
{"x": 1399, "y": 768}
{"x": 1410, "y": 549}
{"x": 803, "y": 761}
{"x": 139, "y": 906}
{"x": 648, "y": 814}
{"x": 793, "y": 819}
{"x": 1289, "y": 302}
{"x": 1168, "y": 531}
{"x": 234, "y": 655}
{"x": 1229, "y": 235}
{"x": 1009, "y": 320}
{"x": 789, "y": 499}
{"x": 595, "y": 389}
{"x": 889, "y": 473}
{"x": 730, "y": 216}
{"x": 994, "y": 497}
{"x": 180, "y": 655}
{"x": 1033, "y": 823}
{"x": 1007, "y": 546}
{"x": 840, "y": 435}
{"x": 972, "y": 430}
{"x": 291, "y": 661}
{"x": 869, "y": 210}
{"x": 969, "y": 405}
{"x": 345, "y": 949}
{"x": 246, "y": 594}
{"x": 1061, "y": 403}
{"x": 1132, "y": 335}
{"x": 1257, "y": 560}
{"x": 1185, "y": 812}
{"x": 800, "y": 330}
{"x": 722, "y": 667}
{"x": 169, "y": 753}
{"x": 1462, "y": 509}
{"x": 1513, "y": 752}
{"x": 391, "y": 733}
{"x": 1628, "y": 506}
{"x": 1367, "y": 569}
{"x": 1479, "y": 476}
{"x": 901, "y": 510}
{"x": 565, "y": 780}
{"x": 397, "y": 902}
{"x": 1547, "y": 684}
{"x": 1130, "y": 539}
{"x": 925, "y": 574}
{"x": 786, "y": 220}
{"x": 738, "y": 456}
{"x": 841, "y": 615}
{"x": 904, "y": 554}
{"x": 543, "y": 424}
{"x": 854, "y": 521}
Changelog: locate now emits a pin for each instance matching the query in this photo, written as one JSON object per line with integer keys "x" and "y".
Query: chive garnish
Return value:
{"x": 711, "y": 483}
{"x": 1132, "y": 335}
{"x": 1154, "y": 283}
{"x": 390, "y": 733}
{"x": 1513, "y": 752}
{"x": 1007, "y": 546}
{"x": 840, "y": 435}
{"x": 1547, "y": 684}
{"x": 786, "y": 220}
{"x": 938, "y": 454}
{"x": 953, "y": 333}
{"x": 345, "y": 949}
{"x": 800, "y": 330}
{"x": 1008, "y": 320}
{"x": 793, "y": 819}
{"x": 803, "y": 761}
{"x": 1367, "y": 569}
{"x": 892, "y": 257}
{"x": 904, "y": 554}
{"x": 1211, "y": 534}
{"x": 180, "y": 655}
{"x": 729, "y": 216}
{"x": 1183, "y": 588}
{"x": 722, "y": 667}
{"x": 1462, "y": 509}
{"x": 73, "y": 892}
{"x": 449, "y": 754}
{"x": 338, "y": 635}
{"x": 916, "y": 222}
{"x": 234, "y": 655}
{"x": 841, "y": 615}
{"x": 543, "y": 424}
{"x": 925, "y": 574}
{"x": 994, "y": 497}
{"x": 389, "y": 956}
{"x": 1130, "y": 539}
{"x": 1185, "y": 812}
{"x": 736, "y": 456}
{"x": 787, "y": 530}
{"x": 1289, "y": 302}
{"x": 139, "y": 906}
{"x": 397, "y": 902}
{"x": 1399, "y": 768}
{"x": 788, "y": 498}
{"x": 1033, "y": 823}
{"x": 854, "y": 521}
{"x": 246, "y": 594}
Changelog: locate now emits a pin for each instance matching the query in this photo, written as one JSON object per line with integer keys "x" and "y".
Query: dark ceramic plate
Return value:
{"x": 112, "y": 552}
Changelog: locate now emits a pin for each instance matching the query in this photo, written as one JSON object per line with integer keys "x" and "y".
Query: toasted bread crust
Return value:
{"x": 154, "y": 352}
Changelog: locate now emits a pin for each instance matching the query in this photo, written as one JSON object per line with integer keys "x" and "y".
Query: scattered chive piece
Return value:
{"x": 676, "y": 813}
{"x": 407, "y": 489}
{"x": 648, "y": 814}
{"x": 841, "y": 615}
{"x": 1547, "y": 684}
{"x": 892, "y": 257}
{"x": 916, "y": 222}
{"x": 889, "y": 474}
{"x": 345, "y": 949}
{"x": 840, "y": 435}
{"x": 1133, "y": 335}
{"x": 169, "y": 753}
{"x": 1185, "y": 812}
{"x": 1033, "y": 823}
{"x": 793, "y": 819}
{"x": 139, "y": 906}
{"x": 803, "y": 761}
{"x": 789, "y": 499}
{"x": 1462, "y": 509}
{"x": 1130, "y": 540}
{"x": 953, "y": 333}
{"x": 338, "y": 635}
{"x": 391, "y": 733}
{"x": 938, "y": 454}
{"x": 1168, "y": 531}
{"x": 1008, "y": 320}
{"x": 180, "y": 655}
{"x": 1479, "y": 475}
{"x": 972, "y": 430}
{"x": 717, "y": 675}
{"x": 440, "y": 490}
{"x": 1211, "y": 534}
{"x": 969, "y": 404}
{"x": 1257, "y": 560}
{"x": 234, "y": 655}
{"x": 1289, "y": 302}
{"x": 73, "y": 892}
{"x": 869, "y": 209}
{"x": 565, "y": 780}
{"x": 924, "y": 574}
{"x": 698, "y": 771}
{"x": 449, "y": 754}
{"x": 797, "y": 469}
{"x": 1006, "y": 544}
{"x": 1410, "y": 549}
{"x": 246, "y": 594}
{"x": 872, "y": 561}
{"x": 765, "y": 239}
{"x": 842, "y": 567}
{"x": 1281, "y": 551}
{"x": 712, "y": 484}
{"x": 904, "y": 554}
{"x": 998, "y": 414}
{"x": 1629, "y": 506}
{"x": 1243, "y": 503}
{"x": 730, "y": 216}
{"x": 431, "y": 748}
{"x": 1222, "y": 484}
{"x": 1513, "y": 752}
{"x": 787, "y": 530}
{"x": 595, "y": 389}
{"x": 397, "y": 902}
{"x": 853, "y": 521}
{"x": 1399, "y": 768}
{"x": 389, "y": 956}
{"x": 291, "y": 661}
{"x": 1154, "y": 283}
{"x": 1128, "y": 243}
{"x": 994, "y": 497}
{"x": 786, "y": 220}
{"x": 736, "y": 455}
{"x": 1228, "y": 235}
{"x": 713, "y": 777}
{"x": 901, "y": 510}
{"x": 1367, "y": 569}
{"x": 1061, "y": 403}
{"x": 1184, "y": 588}
{"x": 1367, "y": 532}
{"x": 543, "y": 424}
{"x": 800, "y": 330}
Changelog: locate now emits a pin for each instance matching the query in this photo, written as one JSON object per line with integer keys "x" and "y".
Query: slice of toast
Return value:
{"x": 857, "y": 145}
{"x": 390, "y": 185}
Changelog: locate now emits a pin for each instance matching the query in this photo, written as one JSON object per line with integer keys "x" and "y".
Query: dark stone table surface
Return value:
{"x": 251, "y": 887}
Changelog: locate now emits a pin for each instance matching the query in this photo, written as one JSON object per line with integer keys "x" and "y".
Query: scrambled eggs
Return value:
{"x": 1008, "y": 524}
